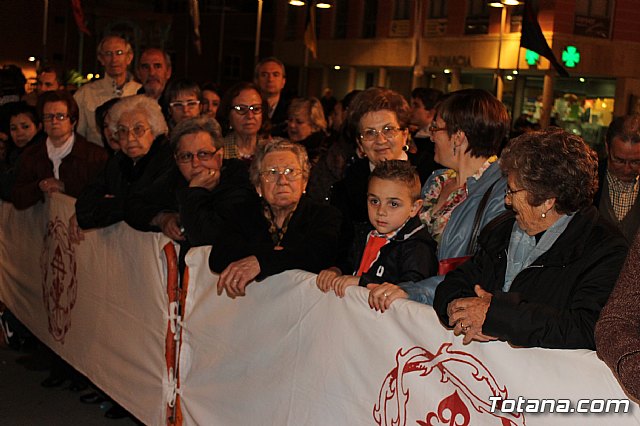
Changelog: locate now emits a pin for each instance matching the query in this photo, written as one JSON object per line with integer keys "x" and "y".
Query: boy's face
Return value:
{"x": 390, "y": 204}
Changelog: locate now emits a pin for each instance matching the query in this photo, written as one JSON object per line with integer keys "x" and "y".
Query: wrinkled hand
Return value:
{"x": 169, "y": 223}
{"x": 235, "y": 278}
{"x": 51, "y": 185}
{"x": 381, "y": 296}
{"x": 341, "y": 283}
{"x": 467, "y": 315}
{"x": 326, "y": 277}
{"x": 207, "y": 179}
{"x": 75, "y": 233}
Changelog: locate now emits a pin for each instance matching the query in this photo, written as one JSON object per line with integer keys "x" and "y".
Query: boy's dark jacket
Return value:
{"x": 409, "y": 256}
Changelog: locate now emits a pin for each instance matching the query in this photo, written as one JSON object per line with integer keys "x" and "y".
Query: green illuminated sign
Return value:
{"x": 571, "y": 56}
{"x": 531, "y": 57}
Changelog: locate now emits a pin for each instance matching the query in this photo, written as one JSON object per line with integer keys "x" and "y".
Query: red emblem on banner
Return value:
{"x": 460, "y": 380}
{"x": 59, "y": 281}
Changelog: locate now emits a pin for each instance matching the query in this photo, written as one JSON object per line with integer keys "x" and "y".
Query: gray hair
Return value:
{"x": 167, "y": 58}
{"x": 196, "y": 125}
{"x": 314, "y": 110}
{"x": 149, "y": 107}
{"x": 256, "y": 71}
{"x": 128, "y": 48}
{"x": 279, "y": 145}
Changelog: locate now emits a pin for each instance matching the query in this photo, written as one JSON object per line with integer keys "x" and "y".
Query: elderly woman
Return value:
{"x": 198, "y": 183}
{"x": 285, "y": 231}
{"x": 381, "y": 117}
{"x": 144, "y": 155}
{"x": 243, "y": 113}
{"x": 468, "y": 130}
{"x": 65, "y": 163}
{"x": 618, "y": 329}
{"x": 546, "y": 268}
{"x": 307, "y": 126}
{"x": 182, "y": 99}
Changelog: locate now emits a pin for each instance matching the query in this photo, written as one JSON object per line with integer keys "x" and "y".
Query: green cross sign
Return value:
{"x": 571, "y": 56}
{"x": 531, "y": 57}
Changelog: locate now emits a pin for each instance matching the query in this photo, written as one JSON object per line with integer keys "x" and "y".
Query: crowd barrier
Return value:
{"x": 286, "y": 354}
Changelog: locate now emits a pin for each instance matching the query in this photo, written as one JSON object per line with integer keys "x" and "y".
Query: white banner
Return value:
{"x": 286, "y": 354}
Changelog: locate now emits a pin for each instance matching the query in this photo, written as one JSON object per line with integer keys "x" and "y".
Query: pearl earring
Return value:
{"x": 405, "y": 147}
{"x": 544, "y": 215}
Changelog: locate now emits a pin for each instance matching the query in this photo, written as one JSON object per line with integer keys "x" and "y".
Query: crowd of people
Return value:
{"x": 517, "y": 240}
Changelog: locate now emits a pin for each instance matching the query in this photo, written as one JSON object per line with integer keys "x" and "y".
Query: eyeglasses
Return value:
{"x": 433, "y": 128}
{"x": 110, "y": 53}
{"x": 137, "y": 130}
{"x": 60, "y": 116}
{"x": 272, "y": 175}
{"x": 508, "y": 192}
{"x": 244, "y": 109}
{"x": 185, "y": 157}
{"x": 184, "y": 104}
{"x": 388, "y": 132}
{"x": 623, "y": 162}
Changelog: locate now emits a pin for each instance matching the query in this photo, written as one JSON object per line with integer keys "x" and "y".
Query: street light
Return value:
{"x": 503, "y": 4}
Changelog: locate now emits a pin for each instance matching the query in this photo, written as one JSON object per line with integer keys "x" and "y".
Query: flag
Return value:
{"x": 78, "y": 15}
{"x": 194, "y": 11}
{"x": 533, "y": 39}
{"x": 310, "y": 39}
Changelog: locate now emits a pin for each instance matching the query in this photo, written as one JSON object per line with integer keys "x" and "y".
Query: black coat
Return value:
{"x": 409, "y": 256}
{"x": 102, "y": 203}
{"x": 556, "y": 301}
{"x": 309, "y": 243}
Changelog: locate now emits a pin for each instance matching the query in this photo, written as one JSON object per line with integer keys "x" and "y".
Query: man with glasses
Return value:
{"x": 617, "y": 197}
{"x": 115, "y": 54}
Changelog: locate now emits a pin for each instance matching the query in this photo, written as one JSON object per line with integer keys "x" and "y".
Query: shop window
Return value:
{"x": 436, "y": 24}
{"x": 438, "y": 9}
{"x": 370, "y": 19}
{"x": 477, "y": 21}
{"x": 341, "y": 16}
{"x": 593, "y": 18}
{"x": 401, "y": 9}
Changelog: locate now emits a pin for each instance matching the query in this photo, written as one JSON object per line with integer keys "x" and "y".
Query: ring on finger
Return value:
{"x": 385, "y": 295}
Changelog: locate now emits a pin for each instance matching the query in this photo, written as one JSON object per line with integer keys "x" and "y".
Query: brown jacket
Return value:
{"x": 618, "y": 330}
{"x": 77, "y": 169}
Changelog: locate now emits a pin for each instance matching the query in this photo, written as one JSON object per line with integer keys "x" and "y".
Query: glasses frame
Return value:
{"x": 244, "y": 109}
{"x": 272, "y": 175}
{"x": 433, "y": 128}
{"x": 111, "y": 53}
{"x": 186, "y": 157}
{"x": 387, "y": 132}
{"x": 508, "y": 192}
{"x": 184, "y": 104}
{"x": 59, "y": 116}
{"x": 138, "y": 131}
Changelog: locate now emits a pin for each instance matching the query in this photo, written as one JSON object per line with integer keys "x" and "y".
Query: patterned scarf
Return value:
{"x": 277, "y": 233}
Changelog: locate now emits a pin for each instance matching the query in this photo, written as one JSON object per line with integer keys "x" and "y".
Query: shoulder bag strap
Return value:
{"x": 471, "y": 248}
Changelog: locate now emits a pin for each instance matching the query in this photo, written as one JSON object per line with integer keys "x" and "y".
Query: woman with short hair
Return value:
{"x": 307, "y": 126}
{"x": 545, "y": 269}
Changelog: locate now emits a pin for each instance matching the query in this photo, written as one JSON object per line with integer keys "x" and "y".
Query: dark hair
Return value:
{"x": 50, "y": 68}
{"x": 227, "y": 102}
{"x": 553, "y": 163}
{"x": 167, "y": 57}
{"x": 377, "y": 99}
{"x": 17, "y": 108}
{"x": 483, "y": 119}
{"x": 429, "y": 97}
{"x": 266, "y": 60}
{"x": 400, "y": 171}
{"x": 211, "y": 87}
{"x": 626, "y": 128}
{"x": 59, "y": 96}
{"x": 183, "y": 85}
{"x": 196, "y": 125}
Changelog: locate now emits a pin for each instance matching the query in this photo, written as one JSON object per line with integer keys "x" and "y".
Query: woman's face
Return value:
{"x": 380, "y": 147}
{"x": 246, "y": 122}
{"x": 443, "y": 144}
{"x": 201, "y": 152}
{"x": 210, "y": 103}
{"x": 299, "y": 125}
{"x": 134, "y": 134}
{"x": 22, "y": 129}
{"x": 57, "y": 123}
{"x": 185, "y": 105}
{"x": 281, "y": 191}
{"x": 529, "y": 217}
{"x": 112, "y": 138}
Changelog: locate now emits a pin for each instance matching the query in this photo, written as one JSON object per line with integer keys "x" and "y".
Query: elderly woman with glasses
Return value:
{"x": 65, "y": 163}
{"x": 243, "y": 115}
{"x": 380, "y": 118}
{"x": 198, "y": 183}
{"x": 144, "y": 155}
{"x": 279, "y": 231}
{"x": 544, "y": 269}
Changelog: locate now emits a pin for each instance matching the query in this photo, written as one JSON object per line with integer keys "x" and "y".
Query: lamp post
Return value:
{"x": 502, "y": 4}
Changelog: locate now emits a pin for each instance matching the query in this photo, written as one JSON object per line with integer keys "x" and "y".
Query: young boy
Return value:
{"x": 400, "y": 248}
